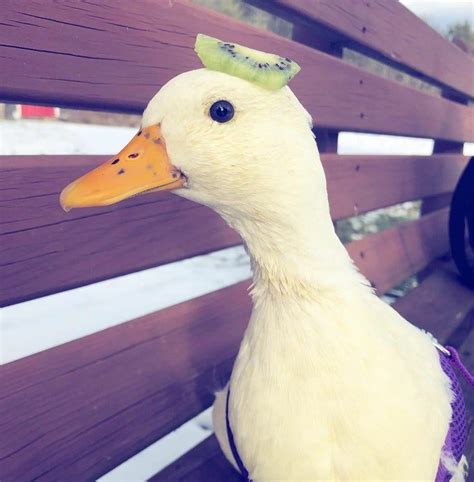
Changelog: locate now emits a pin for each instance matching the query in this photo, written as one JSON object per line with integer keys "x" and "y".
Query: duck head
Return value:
{"x": 246, "y": 152}
{"x": 218, "y": 140}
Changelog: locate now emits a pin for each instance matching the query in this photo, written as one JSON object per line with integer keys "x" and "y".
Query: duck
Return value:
{"x": 330, "y": 383}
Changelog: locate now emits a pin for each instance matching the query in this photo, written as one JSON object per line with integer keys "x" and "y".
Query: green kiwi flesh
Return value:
{"x": 266, "y": 70}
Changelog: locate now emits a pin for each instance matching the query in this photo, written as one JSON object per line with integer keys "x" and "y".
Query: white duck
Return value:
{"x": 330, "y": 383}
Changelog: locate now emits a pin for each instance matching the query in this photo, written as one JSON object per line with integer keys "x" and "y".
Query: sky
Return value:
{"x": 442, "y": 13}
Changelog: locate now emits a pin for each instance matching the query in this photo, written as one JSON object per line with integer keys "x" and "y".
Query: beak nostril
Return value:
{"x": 139, "y": 133}
{"x": 133, "y": 156}
{"x": 176, "y": 173}
{"x": 115, "y": 161}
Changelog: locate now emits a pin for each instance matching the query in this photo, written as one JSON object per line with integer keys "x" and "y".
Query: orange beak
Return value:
{"x": 141, "y": 166}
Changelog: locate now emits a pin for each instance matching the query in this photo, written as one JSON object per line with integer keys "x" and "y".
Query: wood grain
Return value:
{"x": 114, "y": 55}
{"x": 204, "y": 462}
{"x": 386, "y": 30}
{"x": 389, "y": 257}
{"x": 442, "y": 147}
{"x": 440, "y": 305}
{"x": 78, "y": 410}
{"x": 44, "y": 250}
{"x": 358, "y": 184}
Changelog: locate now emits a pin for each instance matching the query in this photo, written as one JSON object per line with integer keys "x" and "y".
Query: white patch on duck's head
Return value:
{"x": 263, "y": 155}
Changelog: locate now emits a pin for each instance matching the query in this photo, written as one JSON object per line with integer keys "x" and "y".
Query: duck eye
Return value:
{"x": 221, "y": 111}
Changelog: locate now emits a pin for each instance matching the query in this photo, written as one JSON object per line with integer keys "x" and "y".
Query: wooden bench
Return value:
{"x": 76, "y": 411}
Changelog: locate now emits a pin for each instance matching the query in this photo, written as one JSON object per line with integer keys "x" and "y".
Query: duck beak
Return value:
{"x": 141, "y": 166}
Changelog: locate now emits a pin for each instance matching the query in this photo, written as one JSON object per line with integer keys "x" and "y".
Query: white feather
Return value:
{"x": 330, "y": 383}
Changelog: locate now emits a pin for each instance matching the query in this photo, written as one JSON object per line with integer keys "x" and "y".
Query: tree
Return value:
{"x": 462, "y": 34}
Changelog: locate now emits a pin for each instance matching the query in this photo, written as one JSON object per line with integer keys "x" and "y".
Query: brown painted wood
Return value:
{"x": 115, "y": 54}
{"x": 205, "y": 462}
{"x": 78, "y": 410}
{"x": 44, "y": 250}
{"x": 441, "y": 147}
{"x": 358, "y": 184}
{"x": 440, "y": 305}
{"x": 389, "y": 257}
{"x": 384, "y": 29}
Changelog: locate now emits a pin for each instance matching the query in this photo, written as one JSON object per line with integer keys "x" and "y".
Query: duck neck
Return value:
{"x": 303, "y": 283}
{"x": 298, "y": 255}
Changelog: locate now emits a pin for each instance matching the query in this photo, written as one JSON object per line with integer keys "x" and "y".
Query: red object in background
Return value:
{"x": 37, "y": 111}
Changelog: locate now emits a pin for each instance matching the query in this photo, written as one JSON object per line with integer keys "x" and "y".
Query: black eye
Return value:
{"x": 221, "y": 111}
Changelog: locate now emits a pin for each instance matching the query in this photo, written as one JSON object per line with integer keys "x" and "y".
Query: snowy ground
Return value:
{"x": 22, "y": 334}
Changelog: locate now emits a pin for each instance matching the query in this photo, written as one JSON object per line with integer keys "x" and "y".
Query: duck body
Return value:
{"x": 338, "y": 397}
{"x": 330, "y": 383}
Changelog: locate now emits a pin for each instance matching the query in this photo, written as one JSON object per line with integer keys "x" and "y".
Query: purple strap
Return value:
{"x": 455, "y": 441}
{"x": 456, "y": 361}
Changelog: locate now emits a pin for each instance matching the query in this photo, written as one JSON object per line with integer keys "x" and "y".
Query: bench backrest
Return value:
{"x": 99, "y": 400}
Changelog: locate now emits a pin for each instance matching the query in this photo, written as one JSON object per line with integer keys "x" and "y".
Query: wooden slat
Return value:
{"x": 43, "y": 250}
{"x": 63, "y": 251}
{"x": 77, "y": 411}
{"x": 440, "y": 305}
{"x": 389, "y": 257}
{"x": 115, "y": 54}
{"x": 61, "y": 425}
{"x": 358, "y": 184}
{"x": 386, "y": 29}
{"x": 203, "y": 463}
{"x": 437, "y": 202}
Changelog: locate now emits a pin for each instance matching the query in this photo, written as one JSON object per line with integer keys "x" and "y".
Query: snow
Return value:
{"x": 49, "y": 321}
{"x": 26, "y": 137}
{"x": 162, "y": 453}
{"x": 360, "y": 143}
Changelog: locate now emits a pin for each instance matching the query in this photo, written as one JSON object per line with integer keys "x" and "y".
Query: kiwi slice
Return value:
{"x": 266, "y": 70}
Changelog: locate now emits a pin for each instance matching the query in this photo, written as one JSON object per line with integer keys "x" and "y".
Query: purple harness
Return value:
{"x": 457, "y": 433}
